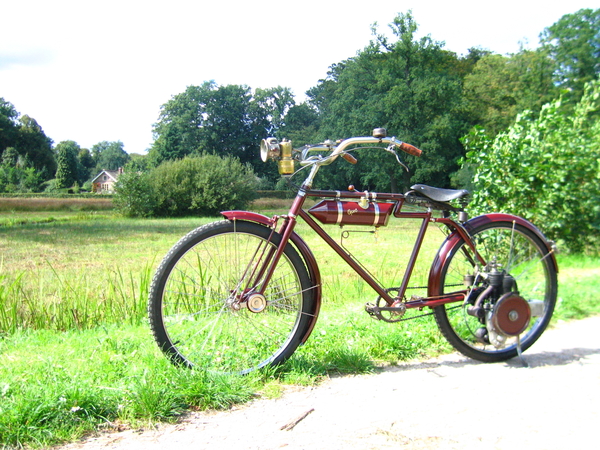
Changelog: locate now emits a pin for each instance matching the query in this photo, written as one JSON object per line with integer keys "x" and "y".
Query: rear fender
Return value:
{"x": 305, "y": 253}
{"x": 434, "y": 286}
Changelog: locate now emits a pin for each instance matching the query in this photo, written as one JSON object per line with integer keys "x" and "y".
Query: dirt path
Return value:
{"x": 445, "y": 403}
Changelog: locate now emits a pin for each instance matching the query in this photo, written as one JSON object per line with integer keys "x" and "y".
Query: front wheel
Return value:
{"x": 528, "y": 271}
{"x": 200, "y": 309}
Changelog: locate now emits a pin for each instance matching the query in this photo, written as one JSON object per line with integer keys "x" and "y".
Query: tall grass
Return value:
{"x": 57, "y": 301}
{"x": 78, "y": 274}
{"x": 21, "y": 204}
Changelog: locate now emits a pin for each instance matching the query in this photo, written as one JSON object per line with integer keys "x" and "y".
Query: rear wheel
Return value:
{"x": 515, "y": 313}
{"x": 203, "y": 307}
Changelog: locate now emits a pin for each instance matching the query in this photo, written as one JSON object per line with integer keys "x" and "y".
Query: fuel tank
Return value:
{"x": 339, "y": 212}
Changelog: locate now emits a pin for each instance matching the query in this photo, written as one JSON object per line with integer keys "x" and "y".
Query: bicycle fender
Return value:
{"x": 248, "y": 216}
{"x": 454, "y": 238}
{"x": 305, "y": 253}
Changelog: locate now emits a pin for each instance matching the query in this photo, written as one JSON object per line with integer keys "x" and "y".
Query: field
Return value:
{"x": 76, "y": 353}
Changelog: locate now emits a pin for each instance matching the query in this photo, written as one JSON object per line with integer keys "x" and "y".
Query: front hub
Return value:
{"x": 256, "y": 302}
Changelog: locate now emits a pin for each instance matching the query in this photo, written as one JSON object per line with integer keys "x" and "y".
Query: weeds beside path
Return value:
{"x": 449, "y": 402}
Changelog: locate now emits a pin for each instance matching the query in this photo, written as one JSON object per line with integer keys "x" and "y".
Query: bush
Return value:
{"x": 201, "y": 185}
{"x": 546, "y": 170}
{"x": 134, "y": 195}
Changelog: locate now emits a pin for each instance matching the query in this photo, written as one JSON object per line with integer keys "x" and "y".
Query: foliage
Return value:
{"x": 26, "y": 152}
{"x": 17, "y": 173}
{"x": 203, "y": 184}
{"x": 574, "y": 44}
{"x": 545, "y": 169}
{"x": 500, "y": 87}
{"x": 109, "y": 156}
{"x": 301, "y": 125}
{"x": 8, "y": 124}
{"x": 225, "y": 120}
{"x": 67, "y": 170}
{"x": 134, "y": 194}
{"x": 410, "y": 86}
{"x": 85, "y": 166}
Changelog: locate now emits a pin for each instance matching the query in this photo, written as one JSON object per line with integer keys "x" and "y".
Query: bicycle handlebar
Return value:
{"x": 283, "y": 152}
{"x": 340, "y": 149}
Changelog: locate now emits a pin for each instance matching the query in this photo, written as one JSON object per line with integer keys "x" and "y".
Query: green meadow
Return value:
{"x": 77, "y": 356}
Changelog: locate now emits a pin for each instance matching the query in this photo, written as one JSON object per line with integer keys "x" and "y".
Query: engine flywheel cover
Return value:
{"x": 511, "y": 314}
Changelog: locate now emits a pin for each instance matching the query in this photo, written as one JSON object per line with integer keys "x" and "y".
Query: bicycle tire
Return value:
{"x": 193, "y": 318}
{"x": 526, "y": 258}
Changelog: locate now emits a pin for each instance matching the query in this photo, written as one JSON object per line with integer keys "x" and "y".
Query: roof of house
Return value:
{"x": 114, "y": 174}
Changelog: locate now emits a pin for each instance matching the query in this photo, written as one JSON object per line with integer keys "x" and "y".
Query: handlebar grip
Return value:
{"x": 348, "y": 157}
{"x": 410, "y": 149}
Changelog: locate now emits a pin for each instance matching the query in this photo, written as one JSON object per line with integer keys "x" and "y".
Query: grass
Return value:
{"x": 76, "y": 354}
{"x": 55, "y": 387}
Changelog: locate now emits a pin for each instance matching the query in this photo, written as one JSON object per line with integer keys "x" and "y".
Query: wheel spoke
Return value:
{"x": 197, "y": 305}
{"x": 516, "y": 252}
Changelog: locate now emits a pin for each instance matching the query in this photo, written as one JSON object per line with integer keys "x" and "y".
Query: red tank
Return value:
{"x": 351, "y": 213}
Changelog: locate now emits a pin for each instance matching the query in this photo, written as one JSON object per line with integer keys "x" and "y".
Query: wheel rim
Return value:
{"x": 205, "y": 321}
{"x": 521, "y": 256}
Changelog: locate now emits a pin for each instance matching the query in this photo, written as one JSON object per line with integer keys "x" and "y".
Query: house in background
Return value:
{"x": 104, "y": 182}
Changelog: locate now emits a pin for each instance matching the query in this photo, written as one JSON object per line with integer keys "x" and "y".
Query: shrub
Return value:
{"x": 134, "y": 195}
{"x": 202, "y": 185}
{"x": 546, "y": 170}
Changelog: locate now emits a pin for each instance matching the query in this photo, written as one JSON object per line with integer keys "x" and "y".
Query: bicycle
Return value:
{"x": 243, "y": 293}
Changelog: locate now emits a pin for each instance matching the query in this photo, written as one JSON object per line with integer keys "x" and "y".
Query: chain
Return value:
{"x": 404, "y": 319}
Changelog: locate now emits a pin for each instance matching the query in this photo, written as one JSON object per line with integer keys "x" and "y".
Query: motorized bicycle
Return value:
{"x": 244, "y": 292}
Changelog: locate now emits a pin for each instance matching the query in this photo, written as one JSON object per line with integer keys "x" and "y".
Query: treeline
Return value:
{"x": 421, "y": 92}
{"x": 30, "y": 163}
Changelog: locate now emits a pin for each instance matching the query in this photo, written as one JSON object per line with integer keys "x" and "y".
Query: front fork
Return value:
{"x": 258, "y": 274}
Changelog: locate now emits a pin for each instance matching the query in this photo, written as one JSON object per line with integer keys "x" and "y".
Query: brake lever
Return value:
{"x": 392, "y": 149}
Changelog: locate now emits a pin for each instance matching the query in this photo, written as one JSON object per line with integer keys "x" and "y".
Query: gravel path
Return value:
{"x": 446, "y": 403}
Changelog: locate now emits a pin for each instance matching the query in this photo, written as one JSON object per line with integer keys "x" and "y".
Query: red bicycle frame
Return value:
{"x": 286, "y": 230}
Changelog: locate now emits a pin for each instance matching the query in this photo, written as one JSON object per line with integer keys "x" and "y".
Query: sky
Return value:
{"x": 92, "y": 71}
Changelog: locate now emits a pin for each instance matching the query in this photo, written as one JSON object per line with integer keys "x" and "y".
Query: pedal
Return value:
{"x": 372, "y": 310}
{"x": 395, "y": 313}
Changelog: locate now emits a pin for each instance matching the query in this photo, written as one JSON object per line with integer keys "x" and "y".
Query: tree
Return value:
{"x": 269, "y": 109}
{"x": 86, "y": 165}
{"x": 225, "y": 120}
{"x": 500, "y": 87}
{"x": 301, "y": 124}
{"x": 411, "y": 87}
{"x": 574, "y": 44}
{"x": 109, "y": 155}
{"x": 8, "y": 125}
{"x": 36, "y": 147}
{"x": 10, "y": 157}
{"x": 30, "y": 148}
{"x": 137, "y": 163}
{"x": 546, "y": 169}
{"x": 67, "y": 171}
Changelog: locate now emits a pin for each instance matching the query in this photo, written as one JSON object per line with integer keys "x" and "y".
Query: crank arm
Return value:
{"x": 395, "y": 312}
